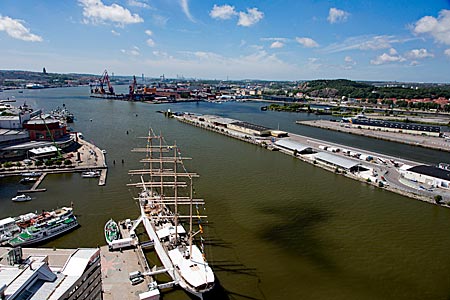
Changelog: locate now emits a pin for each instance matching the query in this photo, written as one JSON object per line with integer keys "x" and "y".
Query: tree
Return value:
{"x": 438, "y": 199}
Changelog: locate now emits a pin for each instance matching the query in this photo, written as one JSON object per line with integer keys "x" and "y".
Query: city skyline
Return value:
{"x": 270, "y": 40}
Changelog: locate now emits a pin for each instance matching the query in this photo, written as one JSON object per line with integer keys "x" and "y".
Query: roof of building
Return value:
{"x": 396, "y": 125}
{"x": 336, "y": 160}
{"x": 291, "y": 145}
{"x": 218, "y": 119}
{"x": 250, "y": 126}
{"x": 431, "y": 171}
{"x": 40, "y": 272}
{"x": 43, "y": 150}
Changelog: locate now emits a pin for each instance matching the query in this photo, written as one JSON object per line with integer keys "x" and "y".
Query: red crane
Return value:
{"x": 104, "y": 80}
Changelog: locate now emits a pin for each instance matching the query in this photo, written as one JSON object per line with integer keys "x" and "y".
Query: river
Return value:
{"x": 278, "y": 228}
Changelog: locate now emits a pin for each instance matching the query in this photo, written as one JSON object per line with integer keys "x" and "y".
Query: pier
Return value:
{"x": 379, "y": 170}
{"x": 435, "y": 143}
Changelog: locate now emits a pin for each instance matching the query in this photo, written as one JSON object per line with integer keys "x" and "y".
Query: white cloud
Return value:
{"x": 307, "y": 42}
{"x": 438, "y": 28}
{"x": 419, "y": 54}
{"x": 250, "y": 18}
{"x": 348, "y": 59}
{"x": 150, "y": 42}
{"x": 365, "y": 43}
{"x": 270, "y": 39}
{"x": 277, "y": 44}
{"x": 148, "y": 32}
{"x": 115, "y": 32}
{"x": 185, "y": 6}
{"x": 15, "y": 29}
{"x": 337, "y": 15}
{"x": 447, "y": 52}
{"x": 140, "y": 4}
{"x": 135, "y": 51}
{"x": 392, "y": 51}
{"x": 96, "y": 12}
{"x": 223, "y": 12}
{"x": 387, "y": 58}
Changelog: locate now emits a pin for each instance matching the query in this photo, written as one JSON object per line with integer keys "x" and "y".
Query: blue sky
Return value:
{"x": 272, "y": 40}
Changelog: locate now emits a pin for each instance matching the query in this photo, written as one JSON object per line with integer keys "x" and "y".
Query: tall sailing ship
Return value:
{"x": 165, "y": 186}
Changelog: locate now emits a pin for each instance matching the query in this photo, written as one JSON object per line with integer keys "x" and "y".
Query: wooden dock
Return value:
{"x": 34, "y": 188}
{"x": 102, "y": 179}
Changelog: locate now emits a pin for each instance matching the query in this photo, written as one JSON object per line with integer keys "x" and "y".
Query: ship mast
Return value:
{"x": 175, "y": 151}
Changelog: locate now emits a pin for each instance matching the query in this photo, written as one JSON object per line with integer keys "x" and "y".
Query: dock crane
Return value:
{"x": 104, "y": 80}
{"x": 132, "y": 88}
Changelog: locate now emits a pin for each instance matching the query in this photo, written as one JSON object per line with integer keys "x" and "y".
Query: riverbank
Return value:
{"x": 435, "y": 143}
{"x": 382, "y": 175}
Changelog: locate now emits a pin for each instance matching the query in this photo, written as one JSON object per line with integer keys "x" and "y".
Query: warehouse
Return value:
{"x": 429, "y": 175}
{"x": 293, "y": 146}
{"x": 366, "y": 123}
{"x": 248, "y": 128}
{"x": 339, "y": 162}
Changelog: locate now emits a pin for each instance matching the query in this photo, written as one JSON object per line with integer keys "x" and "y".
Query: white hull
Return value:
{"x": 47, "y": 234}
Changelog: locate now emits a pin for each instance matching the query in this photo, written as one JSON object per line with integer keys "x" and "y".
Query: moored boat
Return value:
{"x": 21, "y": 198}
{"x": 166, "y": 188}
{"x": 112, "y": 232}
{"x": 8, "y": 228}
{"x": 46, "y": 226}
{"x": 90, "y": 174}
{"x": 28, "y": 180}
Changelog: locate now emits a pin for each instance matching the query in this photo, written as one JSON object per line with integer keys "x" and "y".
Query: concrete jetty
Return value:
{"x": 435, "y": 143}
{"x": 379, "y": 170}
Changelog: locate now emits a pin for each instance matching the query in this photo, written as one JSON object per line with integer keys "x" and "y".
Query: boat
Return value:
{"x": 112, "y": 232}
{"x": 31, "y": 174}
{"x": 46, "y": 226}
{"x": 28, "y": 179}
{"x": 90, "y": 174}
{"x": 8, "y": 228}
{"x": 21, "y": 198}
{"x": 165, "y": 187}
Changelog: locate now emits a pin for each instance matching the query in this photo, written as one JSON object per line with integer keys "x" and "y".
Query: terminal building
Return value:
{"x": 53, "y": 274}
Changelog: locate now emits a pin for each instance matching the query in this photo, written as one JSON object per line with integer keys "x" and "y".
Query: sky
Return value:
{"x": 401, "y": 40}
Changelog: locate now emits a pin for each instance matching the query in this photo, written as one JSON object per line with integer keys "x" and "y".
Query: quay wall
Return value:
{"x": 264, "y": 144}
{"x": 434, "y": 143}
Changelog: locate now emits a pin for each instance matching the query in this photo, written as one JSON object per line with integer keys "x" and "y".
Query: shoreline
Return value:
{"x": 403, "y": 138}
{"x": 266, "y": 143}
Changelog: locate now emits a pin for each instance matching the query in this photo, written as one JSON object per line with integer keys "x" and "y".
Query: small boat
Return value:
{"x": 112, "y": 231}
{"x": 28, "y": 179}
{"x": 21, "y": 198}
{"x": 31, "y": 174}
{"x": 90, "y": 174}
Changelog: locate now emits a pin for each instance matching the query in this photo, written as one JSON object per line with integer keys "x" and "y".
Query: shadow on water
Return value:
{"x": 295, "y": 233}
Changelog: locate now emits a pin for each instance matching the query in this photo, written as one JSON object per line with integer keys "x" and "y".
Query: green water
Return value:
{"x": 278, "y": 228}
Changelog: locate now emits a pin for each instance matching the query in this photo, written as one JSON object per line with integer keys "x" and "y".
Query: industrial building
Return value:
{"x": 339, "y": 162}
{"x": 293, "y": 146}
{"x": 429, "y": 175}
{"x": 52, "y": 274}
{"x": 248, "y": 128}
{"x": 373, "y": 124}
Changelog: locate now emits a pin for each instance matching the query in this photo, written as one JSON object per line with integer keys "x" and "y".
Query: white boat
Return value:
{"x": 90, "y": 174}
{"x": 21, "y": 198}
{"x": 8, "y": 229}
{"x": 45, "y": 226}
{"x": 31, "y": 174}
{"x": 28, "y": 179}
{"x": 161, "y": 204}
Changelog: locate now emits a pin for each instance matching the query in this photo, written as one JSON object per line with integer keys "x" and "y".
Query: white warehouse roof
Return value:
{"x": 291, "y": 145}
{"x": 336, "y": 160}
